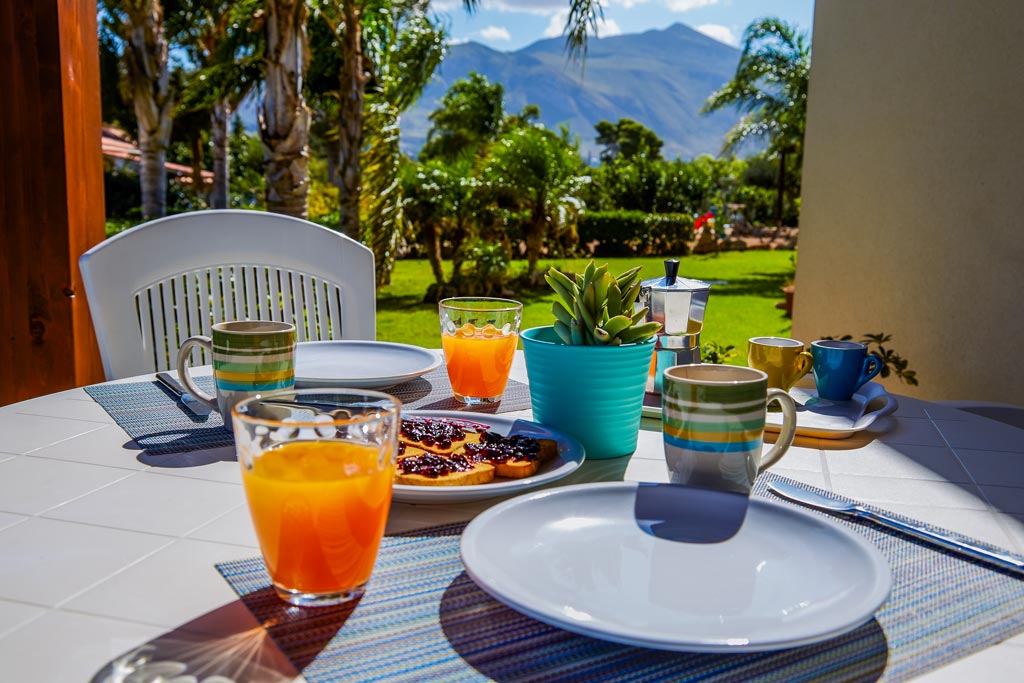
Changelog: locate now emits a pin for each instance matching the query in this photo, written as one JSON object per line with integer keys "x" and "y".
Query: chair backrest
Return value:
{"x": 152, "y": 287}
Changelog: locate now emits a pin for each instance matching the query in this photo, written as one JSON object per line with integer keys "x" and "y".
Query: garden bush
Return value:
{"x": 635, "y": 233}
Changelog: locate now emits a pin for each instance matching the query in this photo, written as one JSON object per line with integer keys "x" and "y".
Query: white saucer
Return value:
{"x": 825, "y": 419}
{"x": 607, "y": 561}
{"x": 570, "y": 457}
{"x": 360, "y": 364}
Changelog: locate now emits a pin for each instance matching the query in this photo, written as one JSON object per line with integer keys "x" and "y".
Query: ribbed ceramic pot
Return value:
{"x": 594, "y": 393}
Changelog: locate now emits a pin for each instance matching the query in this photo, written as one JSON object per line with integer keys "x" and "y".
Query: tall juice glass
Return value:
{"x": 317, "y": 468}
{"x": 479, "y": 337}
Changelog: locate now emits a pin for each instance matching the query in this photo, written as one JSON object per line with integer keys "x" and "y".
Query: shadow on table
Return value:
{"x": 527, "y": 649}
{"x": 252, "y": 639}
{"x": 193, "y": 458}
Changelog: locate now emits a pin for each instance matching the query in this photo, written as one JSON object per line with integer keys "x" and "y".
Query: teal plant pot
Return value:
{"x": 594, "y": 393}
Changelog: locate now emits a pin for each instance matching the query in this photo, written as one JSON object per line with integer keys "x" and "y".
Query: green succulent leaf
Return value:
{"x": 563, "y": 332}
{"x": 561, "y": 313}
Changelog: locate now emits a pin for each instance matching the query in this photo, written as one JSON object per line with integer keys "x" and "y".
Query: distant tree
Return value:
{"x": 536, "y": 171}
{"x": 139, "y": 28}
{"x": 770, "y": 88}
{"x": 628, "y": 140}
{"x": 284, "y": 118}
{"x": 470, "y": 115}
{"x": 224, "y": 41}
{"x": 405, "y": 46}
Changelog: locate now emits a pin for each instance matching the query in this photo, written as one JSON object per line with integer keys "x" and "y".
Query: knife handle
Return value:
{"x": 946, "y": 541}
{"x": 171, "y": 383}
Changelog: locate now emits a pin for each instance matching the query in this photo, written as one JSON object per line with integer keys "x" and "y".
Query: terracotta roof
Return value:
{"x": 118, "y": 145}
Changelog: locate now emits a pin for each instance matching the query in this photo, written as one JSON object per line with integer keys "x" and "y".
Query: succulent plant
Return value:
{"x": 596, "y": 309}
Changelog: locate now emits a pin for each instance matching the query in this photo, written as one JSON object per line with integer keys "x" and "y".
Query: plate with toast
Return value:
{"x": 457, "y": 457}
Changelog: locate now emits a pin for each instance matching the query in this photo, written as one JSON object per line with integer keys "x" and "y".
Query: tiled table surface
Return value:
{"x": 103, "y": 549}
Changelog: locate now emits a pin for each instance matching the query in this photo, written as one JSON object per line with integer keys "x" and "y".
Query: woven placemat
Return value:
{"x": 423, "y": 619}
{"x": 161, "y": 425}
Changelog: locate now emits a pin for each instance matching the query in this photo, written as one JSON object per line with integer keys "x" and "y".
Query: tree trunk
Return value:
{"x": 284, "y": 117}
{"x": 196, "y": 152}
{"x": 535, "y": 238}
{"x": 432, "y": 241}
{"x": 152, "y": 98}
{"x": 152, "y": 176}
{"x": 350, "y": 121}
{"x": 219, "y": 118}
{"x": 779, "y": 200}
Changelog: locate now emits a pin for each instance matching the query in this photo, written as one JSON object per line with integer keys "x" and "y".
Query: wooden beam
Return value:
{"x": 51, "y": 195}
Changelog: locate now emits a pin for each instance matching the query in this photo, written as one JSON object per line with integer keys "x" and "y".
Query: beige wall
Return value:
{"x": 913, "y": 197}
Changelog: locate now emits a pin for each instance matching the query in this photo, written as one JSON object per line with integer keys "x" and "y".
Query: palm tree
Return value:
{"x": 405, "y": 47}
{"x": 284, "y": 117}
{"x": 140, "y": 26}
{"x": 536, "y": 171}
{"x": 222, "y": 38}
{"x": 770, "y": 87}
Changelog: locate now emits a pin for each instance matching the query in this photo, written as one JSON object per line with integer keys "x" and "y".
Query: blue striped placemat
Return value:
{"x": 159, "y": 424}
{"x": 423, "y": 619}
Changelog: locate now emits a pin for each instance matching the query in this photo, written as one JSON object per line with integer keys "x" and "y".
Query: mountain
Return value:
{"x": 660, "y": 78}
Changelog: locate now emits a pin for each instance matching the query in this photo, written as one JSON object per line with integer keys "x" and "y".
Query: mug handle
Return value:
{"x": 186, "y": 378}
{"x": 787, "y": 433}
{"x": 804, "y": 364}
{"x": 865, "y": 373}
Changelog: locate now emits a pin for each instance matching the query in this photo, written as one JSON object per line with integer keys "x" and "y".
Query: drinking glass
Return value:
{"x": 317, "y": 467}
{"x": 479, "y": 336}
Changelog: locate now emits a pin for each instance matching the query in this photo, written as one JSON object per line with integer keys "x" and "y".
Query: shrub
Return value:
{"x": 634, "y": 233}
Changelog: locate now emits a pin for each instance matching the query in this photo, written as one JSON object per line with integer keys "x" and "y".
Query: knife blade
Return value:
{"x": 186, "y": 399}
{"x": 817, "y": 501}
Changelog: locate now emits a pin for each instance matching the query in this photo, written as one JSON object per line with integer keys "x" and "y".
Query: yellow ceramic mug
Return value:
{"x": 783, "y": 360}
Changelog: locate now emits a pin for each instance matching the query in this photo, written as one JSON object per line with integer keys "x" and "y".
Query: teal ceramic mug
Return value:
{"x": 713, "y": 425}
{"x": 842, "y": 367}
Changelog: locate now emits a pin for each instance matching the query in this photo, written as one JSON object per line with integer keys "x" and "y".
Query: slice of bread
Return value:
{"x": 443, "y": 436}
{"x": 430, "y": 469}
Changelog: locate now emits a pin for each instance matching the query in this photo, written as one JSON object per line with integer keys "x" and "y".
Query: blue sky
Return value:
{"x": 508, "y": 25}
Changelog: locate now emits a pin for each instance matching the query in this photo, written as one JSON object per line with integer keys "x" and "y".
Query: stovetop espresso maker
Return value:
{"x": 678, "y": 303}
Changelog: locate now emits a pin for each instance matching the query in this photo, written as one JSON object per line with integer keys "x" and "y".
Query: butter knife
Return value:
{"x": 810, "y": 499}
{"x": 187, "y": 399}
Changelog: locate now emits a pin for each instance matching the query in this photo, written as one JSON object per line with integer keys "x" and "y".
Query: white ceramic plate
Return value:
{"x": 609, "y": 561}
{"x": 819, "y": 417}
{"x": 570, "y": 457}
{"x": 360, "y": 364}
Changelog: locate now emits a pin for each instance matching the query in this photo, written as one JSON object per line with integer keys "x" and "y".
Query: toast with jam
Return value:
{"x": 451, "y": 452}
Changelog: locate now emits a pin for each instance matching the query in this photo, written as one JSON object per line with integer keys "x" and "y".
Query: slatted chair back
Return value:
{"x": 152, "y": 287}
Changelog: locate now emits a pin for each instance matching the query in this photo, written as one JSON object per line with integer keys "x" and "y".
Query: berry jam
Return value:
{"x": 434, "y": 466}
{"x": 435, "y": 433}
{"x": 494, "y": 448}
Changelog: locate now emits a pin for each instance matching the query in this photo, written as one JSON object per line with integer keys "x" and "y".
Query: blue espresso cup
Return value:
{"x": 842, "y": 367}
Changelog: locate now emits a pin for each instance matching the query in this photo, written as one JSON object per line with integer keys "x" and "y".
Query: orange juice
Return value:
{"x": 479, "y": 360}
{"x": 319, "y": 508}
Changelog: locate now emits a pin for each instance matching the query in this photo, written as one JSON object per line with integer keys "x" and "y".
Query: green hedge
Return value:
{"x": 635, "y": 233}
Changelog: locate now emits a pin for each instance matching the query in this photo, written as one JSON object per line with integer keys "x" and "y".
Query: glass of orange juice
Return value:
{"x": 479, "y": 337}
{"x": 317, "y": 467}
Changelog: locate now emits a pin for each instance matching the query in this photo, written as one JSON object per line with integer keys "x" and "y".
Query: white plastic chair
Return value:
{"x": 153, "y": 286}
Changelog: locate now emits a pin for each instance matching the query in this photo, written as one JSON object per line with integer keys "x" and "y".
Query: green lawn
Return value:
{"x": 745, "y": 288}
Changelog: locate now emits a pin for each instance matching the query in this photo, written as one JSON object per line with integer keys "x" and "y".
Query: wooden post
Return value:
{"x": 51, "y": 194}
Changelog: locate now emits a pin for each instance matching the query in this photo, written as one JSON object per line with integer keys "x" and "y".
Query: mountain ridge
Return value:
{"x": 660, "y": 78}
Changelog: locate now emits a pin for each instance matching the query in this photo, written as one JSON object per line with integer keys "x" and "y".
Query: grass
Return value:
{"x": 745, "y": 288}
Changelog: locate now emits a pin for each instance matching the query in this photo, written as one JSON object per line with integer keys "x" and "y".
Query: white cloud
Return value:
{"x": 494, "y": 33}
{"x": 687, "y": 5}
{"x": 722, "y": 34}
{"x": 458, "y": 41}
{"x": 605, "y": 27}
{"x": 544, "y": 8}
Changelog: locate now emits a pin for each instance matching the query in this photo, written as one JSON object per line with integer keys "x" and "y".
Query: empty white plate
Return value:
{"x": 360, "y": 364}
{"x": 675, "y": 568}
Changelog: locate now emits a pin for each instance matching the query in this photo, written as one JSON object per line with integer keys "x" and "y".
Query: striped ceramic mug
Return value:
{"x": 713, "y": 424}
{"x": 249, "y": 357}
